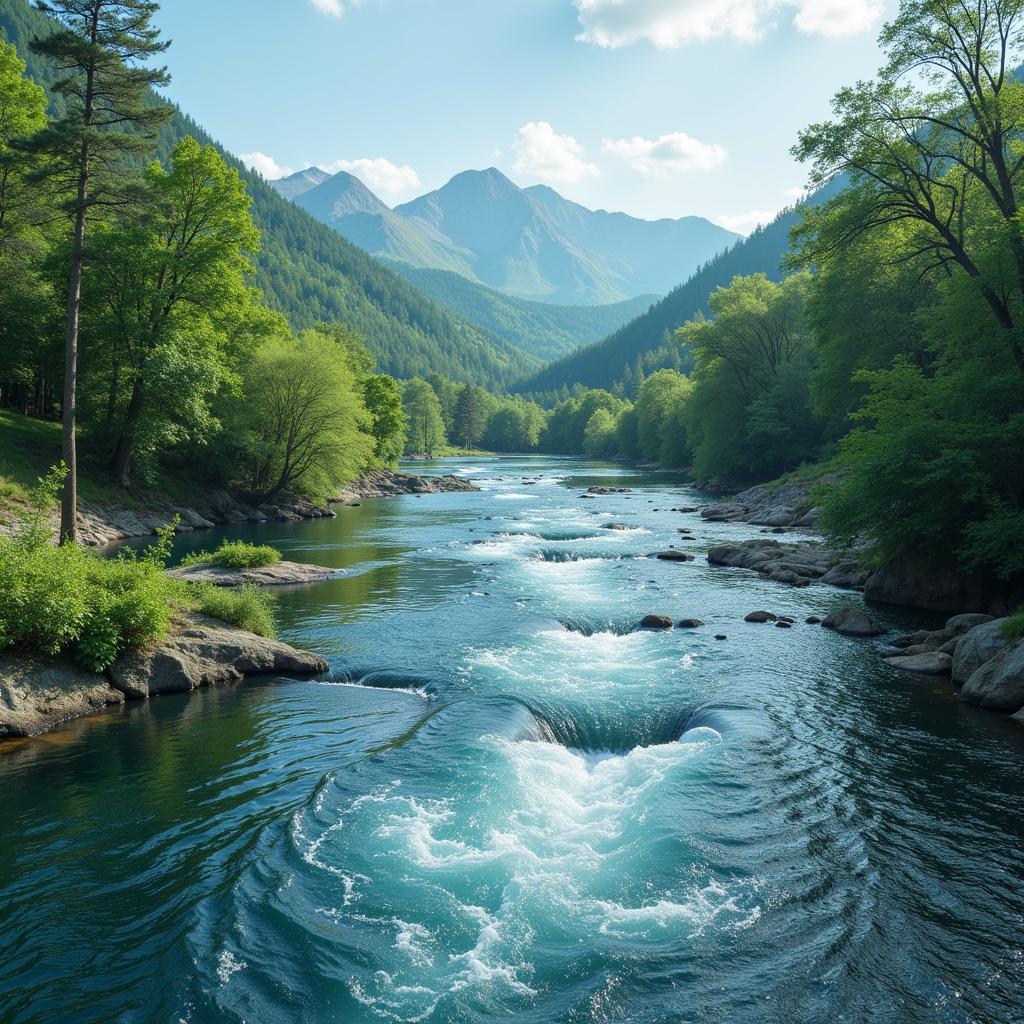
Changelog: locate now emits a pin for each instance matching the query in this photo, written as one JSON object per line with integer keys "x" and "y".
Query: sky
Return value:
{"x": 658, "y": 108}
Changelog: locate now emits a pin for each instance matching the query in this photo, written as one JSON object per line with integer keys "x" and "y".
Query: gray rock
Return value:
{"x": 852, "y": 622}
{"x": 960, "y": 624}
{"x": 672, "y": 555}
{"x": 614, "y": 526}
{"x": 279, "y": 574}
{"x": 36, "y": 695}
{"x": 656, "y": 622}
{"x": 760, "y": 616}
{"x": 977, "y": 646}
{"x": 847, "y": 574}
{"x": 609, "y": 490}
{"x": 913, "y": 582}
{"x": 999, "y": 683}
{"x": 931, "y": 663}
{"x": 203, "y": 653}
{"x": 689, "y": 623}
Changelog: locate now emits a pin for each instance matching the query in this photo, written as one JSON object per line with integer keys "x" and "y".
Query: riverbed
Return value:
{"x": 506, "y": 803}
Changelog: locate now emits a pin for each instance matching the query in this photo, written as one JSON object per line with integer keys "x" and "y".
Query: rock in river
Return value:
{"x": 656, "y": 622}
{"x": 977, "y": 646}
{"x": 760, "y": 617}
{"x": 852, "y": 622}
{"x": 36, "y": 695}
{"x": 672, "y": 555}
{"x": 999, "y": 683}
{"x": 279, "y": 574}
{"x": 689, "y": 623}
{"x": 928, "y": 663}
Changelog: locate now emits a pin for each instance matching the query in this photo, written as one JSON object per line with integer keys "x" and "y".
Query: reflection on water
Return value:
{"x": 524, "y": 810}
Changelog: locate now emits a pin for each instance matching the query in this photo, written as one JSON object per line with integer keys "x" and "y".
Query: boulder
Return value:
{"x": 204, "y": 652}
{"x": 614, "y": 526}
{"x": 721, "y": 636}
{"x": 977, "y": 646}
{"x": 36, "y": 695}
{"x": 279, "y": 574}
{"x": 812, "y": 620}
{"x": 960, "y": 624}
{"x": 847, "y": 574}
{"x": 689, "y": 623}
{"x": 999, "y": 683}
{"x": 656, "y": 622}
{"x": 608, "y": 490}
{"x": 760, "y": 617}
{"x": 672, "y": 555}
{"x": 931, "y": 663}
{"x": 783, "y": 624}
{"x": 914, "y": 582}
{"x": 852, "y": 622}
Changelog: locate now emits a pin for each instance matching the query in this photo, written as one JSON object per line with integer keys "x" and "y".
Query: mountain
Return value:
{"x": 540, "y": 328}
{"x": 301, "y": 181}
{"x": 530, "y": 243}
{"x": 312, "y": 274}
{"x": 604, "y": 364}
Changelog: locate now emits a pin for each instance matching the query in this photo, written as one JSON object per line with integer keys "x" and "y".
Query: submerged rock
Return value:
{"x": 760, "y": 616}
{"x": 600, "y": 489}
{"x": 930, "y": 663}
{"x": 37, "y": 695}
{"x": 672, "y": 555}
{"x": 689, "y": 623}
{"x": 614, "y": 526}
{"x": 852, "y": 622}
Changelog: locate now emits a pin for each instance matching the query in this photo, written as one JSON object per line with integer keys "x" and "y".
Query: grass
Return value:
{"x": 245, "y": 607}
{"x": 1013, "y": 627}
{"x": 236, "y": 554}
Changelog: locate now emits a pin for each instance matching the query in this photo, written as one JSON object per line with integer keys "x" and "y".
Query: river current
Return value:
{"x": 504, "y": 803}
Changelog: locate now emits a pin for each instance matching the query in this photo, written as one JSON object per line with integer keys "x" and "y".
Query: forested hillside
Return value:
{"x": 647, "y": 340}
{"x": 539, "y": 328}
{"x": 312, "y": 274}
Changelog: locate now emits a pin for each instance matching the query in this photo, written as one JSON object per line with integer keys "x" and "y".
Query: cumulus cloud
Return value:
{"x": 666, "y": 155}
{"x": 378, "y": 174}
{"x": 266, "y": 165}
{"x": 540, "y": 152}
{"x": 671, "y": 23}
{"x": 745, "y": 223}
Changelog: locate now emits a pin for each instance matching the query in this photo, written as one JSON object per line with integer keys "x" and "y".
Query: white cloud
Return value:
{"x": 333, "y": 8}
{"x": 666, "y": 155}
{"x": 542, "y": 153}
{"x": 671, "y": 23}
{"x": 378, "y": 174}
{"x": 744, "y": 223}
{"x": 266, "y": 165}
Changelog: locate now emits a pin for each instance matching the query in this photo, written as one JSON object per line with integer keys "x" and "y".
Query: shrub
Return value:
{"x": 245, "y": 607}
{"x": 1013, "y": 627}
{"x": 236, "y": 554}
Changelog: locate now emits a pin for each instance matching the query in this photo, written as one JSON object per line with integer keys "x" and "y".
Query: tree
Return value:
{"x": 26, "y": 359}
{"x": 599, "y": 438}
{"x": 169, "y": 287}
{"x": 468, "y": 425}
{"x": 424, "y": 424}
{"x": 103, "y": 49}
{"x": 661, "y": 395}
{"x": 383, "y": 401}
{"x": 304, "y": 424}
{"x": 934, "y": 144}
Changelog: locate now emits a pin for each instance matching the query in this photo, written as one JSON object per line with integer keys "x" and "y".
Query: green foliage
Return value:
{"x": 1013, "y": 627}
{"x": 599, "y": 436}
{"x": 236, "y": 554}
{"x": 382, "y": 397}
{"x": 303, "y": 424}
{"x": 245, "y": 607}
{"x": 661, "y": 430}
{"x": 69, "y": 600}
{"x": 425, "y": 430}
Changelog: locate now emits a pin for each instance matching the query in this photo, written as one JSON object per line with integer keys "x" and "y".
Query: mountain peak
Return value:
{"x": 338, "y": 195}
{"x": 296, "y": 184}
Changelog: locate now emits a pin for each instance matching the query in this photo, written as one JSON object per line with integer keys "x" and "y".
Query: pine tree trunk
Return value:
{"x": 69, "y": 498}
{"x": 121, "y": 462}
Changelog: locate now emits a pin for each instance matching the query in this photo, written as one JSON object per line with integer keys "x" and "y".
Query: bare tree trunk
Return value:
{"x": 69, "y": 498}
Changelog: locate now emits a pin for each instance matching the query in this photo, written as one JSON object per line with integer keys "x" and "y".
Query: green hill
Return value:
{"x": 310, "y": 273}
{"x": 540, "y": 328}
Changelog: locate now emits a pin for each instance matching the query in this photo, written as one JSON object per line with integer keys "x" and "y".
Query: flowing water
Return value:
{"x": 505, "y": 804}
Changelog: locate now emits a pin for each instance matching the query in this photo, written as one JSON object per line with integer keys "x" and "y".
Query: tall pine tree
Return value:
{"x": 102, "y": 49}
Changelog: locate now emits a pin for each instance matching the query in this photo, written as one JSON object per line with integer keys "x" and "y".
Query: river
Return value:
{"x": 505, "y": 804}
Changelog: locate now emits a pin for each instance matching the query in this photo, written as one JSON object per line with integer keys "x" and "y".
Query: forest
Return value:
{"x": 870, "y": 336}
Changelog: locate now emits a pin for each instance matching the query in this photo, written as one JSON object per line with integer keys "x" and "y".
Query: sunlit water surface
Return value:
{"x": 504, "y": 804}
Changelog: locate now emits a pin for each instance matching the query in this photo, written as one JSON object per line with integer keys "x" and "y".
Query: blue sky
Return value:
{"x": 655, "y": 107}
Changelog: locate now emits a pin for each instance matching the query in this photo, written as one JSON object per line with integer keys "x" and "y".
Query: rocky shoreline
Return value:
{"x": 101, "y": 524}
{"x": 36, "y": 695}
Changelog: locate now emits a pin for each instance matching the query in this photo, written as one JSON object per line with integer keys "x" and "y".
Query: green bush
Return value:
{"x": 245, "y": 607}
{"x": 1013, "y": 627}
{"x": 236, "y": 554}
